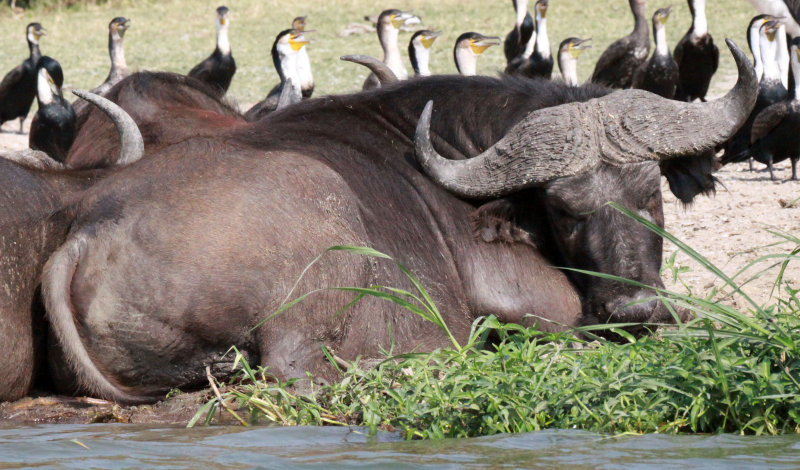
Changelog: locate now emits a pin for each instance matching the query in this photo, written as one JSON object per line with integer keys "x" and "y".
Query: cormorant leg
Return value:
{"x": 769, "y": 165}
{"x": 794, "y": 168}
{"x": 750, "y": 161}
{"x": 21, "y": 123}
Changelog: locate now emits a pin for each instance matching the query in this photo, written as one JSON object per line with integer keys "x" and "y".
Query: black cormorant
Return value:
{"x": 389, "y": 23}
{"x": 418, "y": 51}
{"x": 218, "y": 69}
{"x": 775, "y": 135}
{"x": 18, "y": 87}
{"x": 519, "y": 41}
{"x": 619, "y": 61}
{"x": 303, "y": 63}
{"x": 285, "y": 52}
{"x": 568, "y": 52}
{"x": 540, "y": 63}
{"x": 770, "y": 91}
{"x": 659, "y": 75}
{"x": 119, "y": 69}
{"x": 696, "y": 55}
{"x": 467, "y": 49}
{"x": 53, "y": 126}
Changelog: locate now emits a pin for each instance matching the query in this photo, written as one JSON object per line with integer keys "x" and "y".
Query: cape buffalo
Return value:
{"x": 35, "y": 196}
{"x": 167, "y": 107}
{"x": 179, "y": 256}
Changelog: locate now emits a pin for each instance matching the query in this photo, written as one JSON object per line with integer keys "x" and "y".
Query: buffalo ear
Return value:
{"x": 688, "y": 177}
{"x": 495, "y": 221}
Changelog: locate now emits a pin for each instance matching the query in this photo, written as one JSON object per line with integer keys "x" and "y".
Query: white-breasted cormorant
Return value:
{"x": 540, "y": 63}
{"x": 753, "y": 32}
{"x": 217, "y": 70}
{"x": 303, "y": 62}
{"x": 53, "y": 126}
{"x": 467, "y": 49}
{"x": 419, "y": 51}
{"x": 18, "y": 87}
{"x": 389, "y": 23}
{"x": 770, "y": 91}
{"x": 619, "y": 61}
{"x": 787, "y": 10}
{"x": 659, "y": 75}
{"x": 775, "y": 135}
{"x": 568, "y": 52}
{"x": 119, "y": 68}
{"x": 285, "y": 51}
{"x": 519, "y": 42}
{"x": 696, "y": 55}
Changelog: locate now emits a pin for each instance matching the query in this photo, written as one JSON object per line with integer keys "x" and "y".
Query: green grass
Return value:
{"x": 174, "y": 35}
{"x": 723, "y": 371}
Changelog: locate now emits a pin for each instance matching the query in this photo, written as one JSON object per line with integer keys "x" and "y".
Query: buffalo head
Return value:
{"x": 578, "y": 157}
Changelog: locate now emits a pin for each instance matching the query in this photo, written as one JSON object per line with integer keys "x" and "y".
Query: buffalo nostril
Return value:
{"x": 639, "y": 308}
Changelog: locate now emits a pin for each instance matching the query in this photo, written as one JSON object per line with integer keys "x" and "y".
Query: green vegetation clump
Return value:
{"x": 723, "y": 371}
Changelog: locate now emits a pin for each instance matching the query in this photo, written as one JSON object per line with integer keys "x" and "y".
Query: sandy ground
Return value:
{"x": 730, "y": 228}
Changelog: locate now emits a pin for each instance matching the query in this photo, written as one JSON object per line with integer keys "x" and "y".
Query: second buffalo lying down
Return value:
{"x": 181, "y": 254}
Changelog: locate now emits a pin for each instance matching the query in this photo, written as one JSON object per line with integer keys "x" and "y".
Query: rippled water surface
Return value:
{"x": 128, "y": 446}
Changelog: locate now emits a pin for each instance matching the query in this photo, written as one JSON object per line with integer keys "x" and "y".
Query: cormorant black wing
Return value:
{"x": 202, "y": 70}
{"x": 609, "y": 61}
{"x": 10, "y": 80}
{"x": 677, "y": 54}
{"x": 768, "y": 119}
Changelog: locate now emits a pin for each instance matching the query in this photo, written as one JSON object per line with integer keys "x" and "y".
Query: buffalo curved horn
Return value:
{"x": 627, "y": 126}
{"x": 381, "y": 70}
{"x": 132, "y": 144}
{"x": 289, "y": 95}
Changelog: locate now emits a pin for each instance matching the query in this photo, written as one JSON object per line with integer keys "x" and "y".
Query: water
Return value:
{"x": 129, "y": 446}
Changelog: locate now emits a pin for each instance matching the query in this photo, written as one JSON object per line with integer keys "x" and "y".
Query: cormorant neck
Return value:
{"x": 755, "y": 49}
{"x": 639, "y": 16}
{"x": 466, "y": 61}
{"x": 33, "y": 47}
{"x": 289, "y": 70}
{"x": 660, "y": 34}
{"x": 43, "y": 92}
{"x": 699, "y": 22}
{"x": 391, "y": 51}
{"x": 542, "y": 41}
{"x": 783, "y": 55}
{"x": 768, "y": 52}
{"x": 304, "y": 70}
{"x": 569, "y": 68}
{"x": 521, "y": 6}
{"x": 117, "y": 53}
{"x": 529, "y": 46}
{"x": 796, "y": 73}
{"x": 223, "y": 44}
{"x": 419, "y": 60}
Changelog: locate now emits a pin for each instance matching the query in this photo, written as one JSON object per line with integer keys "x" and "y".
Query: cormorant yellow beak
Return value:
{"x": 770, "y": 28}
{"x": 542, "y": 9}
{"x": 297, "y": 40}
{"x": 428, "y": 39}
{"x": 575, "y": 48}
{"x": 662, "y": 17}
{"x": 480, "y": 45}
{"x": 404, "y": 18}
